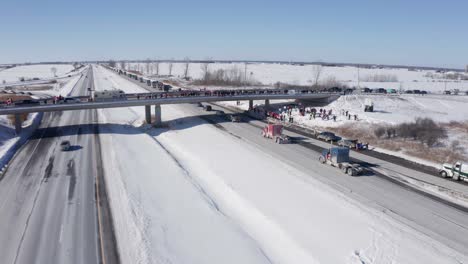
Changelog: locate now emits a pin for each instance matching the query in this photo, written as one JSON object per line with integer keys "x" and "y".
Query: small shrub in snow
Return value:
{"x": 423, "y": 129}
{"x": 379, "y": 131}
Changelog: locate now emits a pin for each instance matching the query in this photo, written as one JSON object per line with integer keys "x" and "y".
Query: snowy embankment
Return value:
{"x": 161, "y": 214}
{"x": 192, "y": 193}
{"x": 10, "y": 142}
{"x": 391, "y": 109}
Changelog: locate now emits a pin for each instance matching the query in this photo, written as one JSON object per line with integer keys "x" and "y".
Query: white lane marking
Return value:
{"x": 61, "y": 232}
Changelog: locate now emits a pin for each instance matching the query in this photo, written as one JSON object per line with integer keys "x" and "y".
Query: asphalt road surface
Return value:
{"x": 48, "y": 196}
{"x": 441, "y": 221}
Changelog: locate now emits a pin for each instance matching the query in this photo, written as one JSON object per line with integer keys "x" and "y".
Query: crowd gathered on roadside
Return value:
{"x": 288, "y": 112}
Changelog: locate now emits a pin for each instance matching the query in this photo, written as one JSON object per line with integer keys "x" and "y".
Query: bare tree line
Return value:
{"x": 424, "y": 130}
{"x": 380, "y": 78}
{"x": 186, "y": 66}
{"x": 316, "y": 72}
{"x": 169, "y": 66}
{"x": 233, "y": 76}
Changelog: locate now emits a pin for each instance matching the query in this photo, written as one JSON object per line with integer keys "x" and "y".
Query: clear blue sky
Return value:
{"x": 411, "y": 32}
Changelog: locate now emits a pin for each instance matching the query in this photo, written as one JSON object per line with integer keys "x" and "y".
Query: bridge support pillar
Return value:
{"x": 250, "y": 104}
{"x": 18, "y": 123}
{"x": 148, "y": 114}
{"x": 267, "y": 103}
{"x": 157, "y": 116}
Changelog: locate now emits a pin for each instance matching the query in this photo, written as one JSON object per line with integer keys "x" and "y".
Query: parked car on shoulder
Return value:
{"x": 365, "y": 90}
{"x": 334, "y": 90}
{"x": 379, "y": 90}
{"x": 349, "y": 143}
{"x": 328, "y": 136}
{"x": 27, "y": 102}
{"x": 348, "y": 91}
{"x": 71, "y": 100}
{"x": 235, "y": 118}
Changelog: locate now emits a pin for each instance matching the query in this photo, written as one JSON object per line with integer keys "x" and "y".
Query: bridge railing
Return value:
{"x": 162, "y": 95}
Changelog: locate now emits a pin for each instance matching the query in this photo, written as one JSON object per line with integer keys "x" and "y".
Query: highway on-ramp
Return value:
{"x": 48, "y": 196}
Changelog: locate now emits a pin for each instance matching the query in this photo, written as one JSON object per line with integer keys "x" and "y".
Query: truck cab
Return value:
{"x": 274, "y": 131}
{"x": 457, "y": 171}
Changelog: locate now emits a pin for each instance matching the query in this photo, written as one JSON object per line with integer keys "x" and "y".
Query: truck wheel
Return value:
{"x": 443, "y": 174}
{"x": 456, "y": 177}
{"x": 350, "y": 172}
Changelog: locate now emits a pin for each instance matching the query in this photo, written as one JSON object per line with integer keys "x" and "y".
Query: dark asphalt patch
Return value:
{"x": 72, "y": 174}
{"x": 49, "y": 168}
{"x": 368, "y": 167}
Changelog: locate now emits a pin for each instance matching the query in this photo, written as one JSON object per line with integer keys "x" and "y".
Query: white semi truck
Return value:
{"x": 457, "y": 171}
{"x": 109, "y": 95}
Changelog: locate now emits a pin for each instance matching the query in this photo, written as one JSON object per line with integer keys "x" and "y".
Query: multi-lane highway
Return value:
{"x": 48, "y": 197}
{"x": 445, "y": 222}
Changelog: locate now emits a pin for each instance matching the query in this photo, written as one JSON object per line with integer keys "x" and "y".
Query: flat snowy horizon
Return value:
{"x": 271, "y": 73}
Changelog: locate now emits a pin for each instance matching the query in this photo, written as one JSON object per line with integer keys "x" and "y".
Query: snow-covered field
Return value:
{"x": 268, "y": 74}
{"x": 176, "y": 200}
{"x": 395, "y": 109}
{"x": 42, "y": 71}
{"x": 388, "y": 110}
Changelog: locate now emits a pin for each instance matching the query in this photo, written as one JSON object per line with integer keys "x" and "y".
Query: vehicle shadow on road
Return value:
{"x": 74, "y": 148}
{"x": 126, "y": 129}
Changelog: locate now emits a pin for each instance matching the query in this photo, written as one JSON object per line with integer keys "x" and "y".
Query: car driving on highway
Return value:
{"x": 65, "y": 145}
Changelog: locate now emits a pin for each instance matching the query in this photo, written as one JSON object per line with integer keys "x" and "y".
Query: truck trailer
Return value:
{"x": 339, "y": 157}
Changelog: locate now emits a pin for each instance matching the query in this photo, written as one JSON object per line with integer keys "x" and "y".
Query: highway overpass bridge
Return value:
{"x": 157, "y": 99}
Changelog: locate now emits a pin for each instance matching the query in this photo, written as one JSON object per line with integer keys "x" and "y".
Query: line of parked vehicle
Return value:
{"x": 156, "y": 84}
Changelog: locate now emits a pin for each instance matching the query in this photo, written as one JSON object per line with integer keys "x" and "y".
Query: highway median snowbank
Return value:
{"x": 161, "y": 214}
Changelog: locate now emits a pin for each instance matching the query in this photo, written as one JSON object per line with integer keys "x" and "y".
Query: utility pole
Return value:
{"x": 358, "y": 79}
{"x": 245, "y": 74}
{"x": 445, "y": 83}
